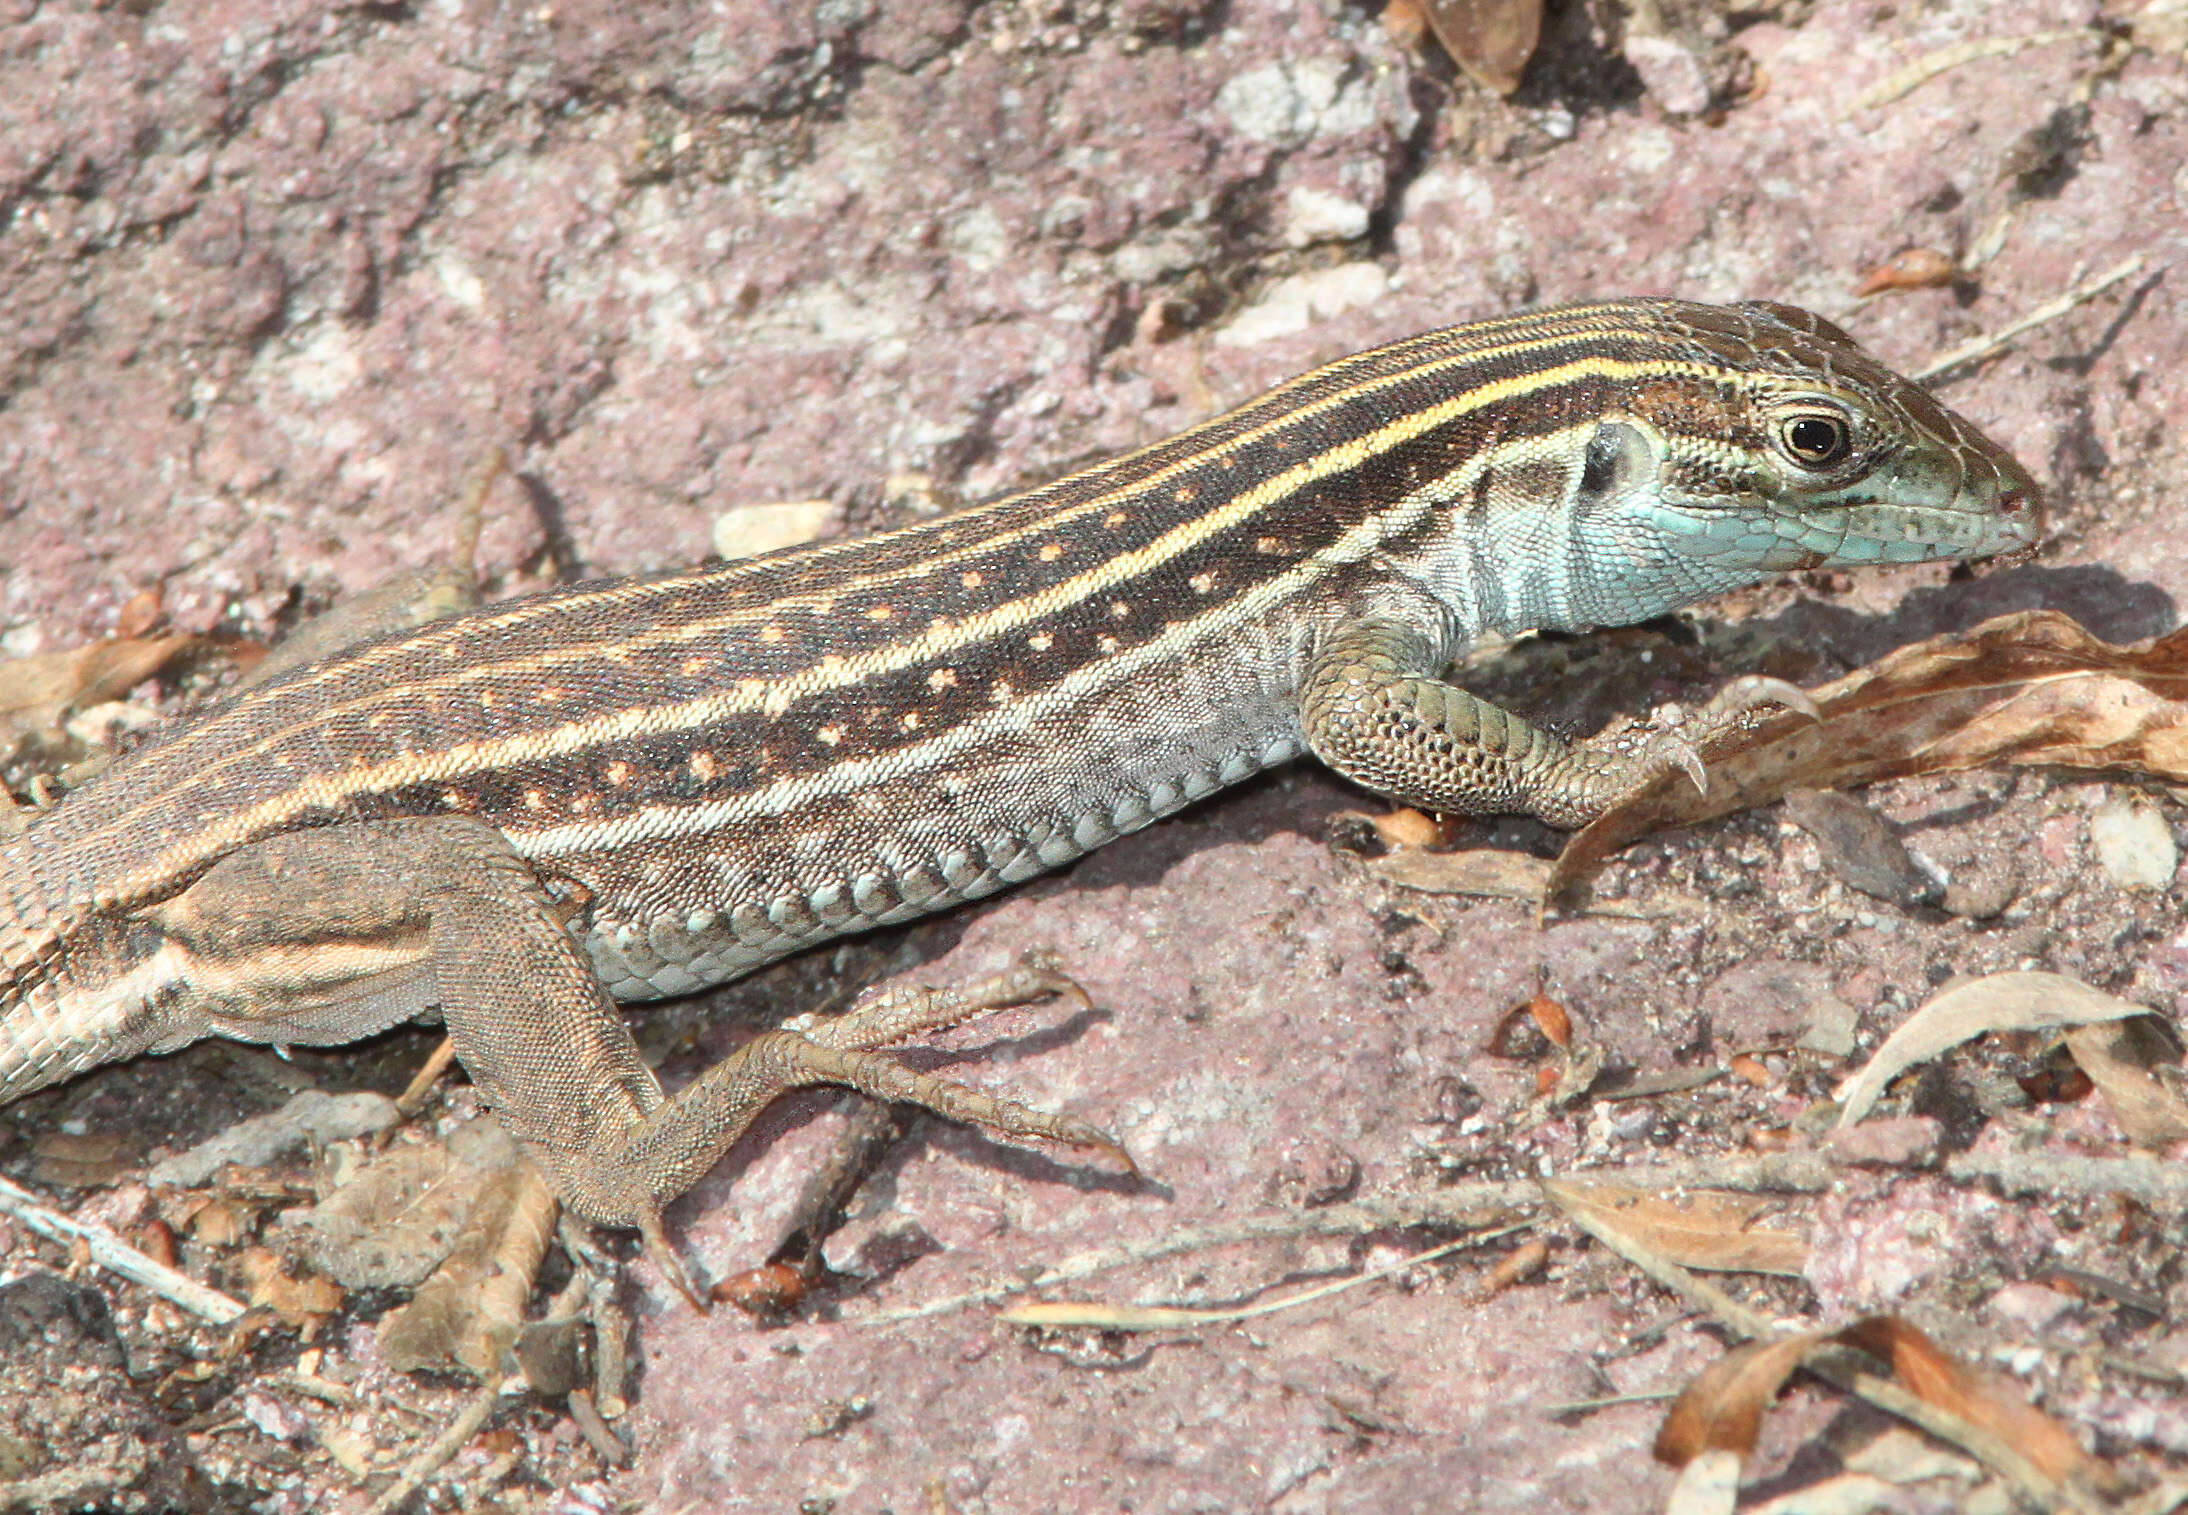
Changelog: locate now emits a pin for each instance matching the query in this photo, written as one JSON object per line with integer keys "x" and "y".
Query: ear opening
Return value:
{"x": 1615, "y": 457}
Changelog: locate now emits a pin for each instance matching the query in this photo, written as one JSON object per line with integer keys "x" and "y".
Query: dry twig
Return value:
{"x": 117, "y": 1256}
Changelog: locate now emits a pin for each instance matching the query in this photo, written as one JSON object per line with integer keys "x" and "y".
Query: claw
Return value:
{"x": 1690, "y": 762}
{"x": 665, "y": 1258}
{"x": 1744, "y": 694}
{"x": 1043, "y": 976}
{"x": 1791, "y": 696}
{"x": 1074, "y": 1132}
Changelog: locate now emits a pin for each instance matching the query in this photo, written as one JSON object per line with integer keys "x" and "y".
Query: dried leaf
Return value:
{"x": 469, "y": 1312}
{"x": 1484, "y": 872}
{"x": 273, "y": 1287}
{"x": 1493, "y": 874}
{"x": 1406, "y": 827}
{"x": 1722, "y": 1410}
{"x": 217, "y": 1223}
{"x": 2031, "y": 688}
{"x": 1751, "y": 1070}
{"x": 1490, "y": 39}
{"x": 1406, "y": 23}
{"x": 1910, "y": 268}
{"x": 1936, "y": 1377}
{"x": 1552, "y": 1019}
{"x": 38, "y": 693}
{"x": 140, "y": 613}
{"x": 1712, "y": 1229}
{"x": 2000, "y": 1002}
{"x": 2121, "y": 1058}
{"x": 400, "y": 1214}
{"x": 395, "y": 1219}
{"x": 768, "y": 1292}
{"x": 1522, "y": 1262}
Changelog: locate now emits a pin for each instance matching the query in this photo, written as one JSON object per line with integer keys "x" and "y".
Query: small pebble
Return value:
{"x": 2134, "y": 843}
{"x": 1831, "y": 1027}
{"x": 2026, "y": 1309}
{"x": 746, "y": 531}
{"x": 1907, "y": 1141}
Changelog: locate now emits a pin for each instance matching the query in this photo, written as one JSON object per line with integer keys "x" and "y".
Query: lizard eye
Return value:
{"x": 1814, "y": 439}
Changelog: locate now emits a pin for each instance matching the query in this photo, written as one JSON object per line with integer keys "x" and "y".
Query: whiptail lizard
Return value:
{"x": 636, "y": 788}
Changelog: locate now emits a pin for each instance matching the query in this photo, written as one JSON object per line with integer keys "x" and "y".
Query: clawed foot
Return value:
{"x": 1681, "y": 746}
{"x": 665, "y": 1258}
{"x": 845, "y": 1049}
{"x": 1619, "y": 766}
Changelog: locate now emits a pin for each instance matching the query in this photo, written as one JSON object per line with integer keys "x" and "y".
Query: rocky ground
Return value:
{"x": 277, "y": 274}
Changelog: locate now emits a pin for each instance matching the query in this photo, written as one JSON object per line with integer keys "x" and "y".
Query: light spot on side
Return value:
{"x": 830, "y": 735}
{"x": 942, "y": 678}
{"x": 1051, "y": 552}
{"x": 1040, "y": 641}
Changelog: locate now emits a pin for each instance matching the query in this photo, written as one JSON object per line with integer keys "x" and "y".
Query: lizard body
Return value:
{"x": 628, "y": 789}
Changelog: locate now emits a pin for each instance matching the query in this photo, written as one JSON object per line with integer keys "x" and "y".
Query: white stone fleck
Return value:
{"x": 1292, "y": 305}
{"x": 2134, "y": 843}
{"x": 1316, "y": 215}
{"x": 322, "y": 368}
{"x": 746, "y": 531}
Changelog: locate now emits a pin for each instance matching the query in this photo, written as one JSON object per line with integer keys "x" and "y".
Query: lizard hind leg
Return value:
{"x": 550, "y": 1051}
{"x": 349, "y": 928}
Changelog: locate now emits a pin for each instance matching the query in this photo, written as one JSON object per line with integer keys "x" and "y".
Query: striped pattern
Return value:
{"x": 717, "y": 766}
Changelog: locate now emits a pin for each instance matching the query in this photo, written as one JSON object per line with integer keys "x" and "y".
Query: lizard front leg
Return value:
{"x": 329, "y": 934}
{"x": 1375, "y": 710}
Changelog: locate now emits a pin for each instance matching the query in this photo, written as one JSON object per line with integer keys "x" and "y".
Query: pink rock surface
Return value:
{"x": 277, "y": 273}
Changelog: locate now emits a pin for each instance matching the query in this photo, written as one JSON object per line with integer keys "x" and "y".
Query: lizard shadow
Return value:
{"x": 1024, "y": 1163}
{"x": 2103, "y": 600}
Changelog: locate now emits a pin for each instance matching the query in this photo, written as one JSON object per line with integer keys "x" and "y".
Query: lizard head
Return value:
{"x": 1771, "y": 442}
